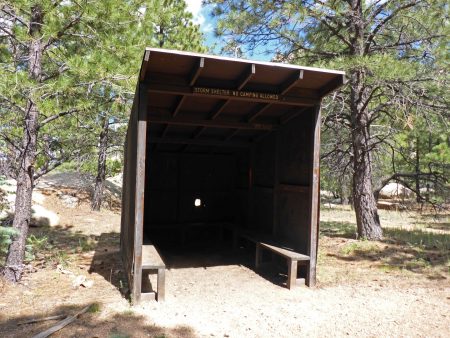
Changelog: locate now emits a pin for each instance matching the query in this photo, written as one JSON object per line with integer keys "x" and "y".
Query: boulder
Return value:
{"x": 69, "y": 201}
{"x": 396, "y": 190}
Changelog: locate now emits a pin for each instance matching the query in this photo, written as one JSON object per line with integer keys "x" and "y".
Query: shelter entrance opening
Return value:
{"x": 222, "y": 151}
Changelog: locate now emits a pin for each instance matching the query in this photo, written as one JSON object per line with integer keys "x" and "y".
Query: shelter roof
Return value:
{"x": 199, "y": 100}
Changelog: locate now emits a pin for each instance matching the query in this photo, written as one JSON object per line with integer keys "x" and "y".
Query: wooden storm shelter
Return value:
{"x": 225, "y": 146}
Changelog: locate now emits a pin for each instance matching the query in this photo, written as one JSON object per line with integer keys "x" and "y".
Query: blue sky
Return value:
{"x": 202, "y": 16}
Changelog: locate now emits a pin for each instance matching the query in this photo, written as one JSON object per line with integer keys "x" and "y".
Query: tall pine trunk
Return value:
{"x": 101, "y": 166}
{"x": 14, "y": 261}
{"x": 364, "y": 202}
{"x": 367, "y": 219}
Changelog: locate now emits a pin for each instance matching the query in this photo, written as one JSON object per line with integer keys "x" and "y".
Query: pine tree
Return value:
{"x": 387, "y": 49}
{"x": 165, "y": 24}
{"x": 60, "y": 62}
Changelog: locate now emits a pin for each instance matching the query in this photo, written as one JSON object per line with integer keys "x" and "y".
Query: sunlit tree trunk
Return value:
{"x": 101, "y": 166}
{"x": 14, "y": 261}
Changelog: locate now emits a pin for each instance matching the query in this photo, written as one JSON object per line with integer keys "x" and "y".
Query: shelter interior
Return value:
{"x": 229, "y": 144}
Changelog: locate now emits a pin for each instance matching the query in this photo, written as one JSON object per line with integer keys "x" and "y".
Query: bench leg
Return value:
{"x": 292, "y": 273}
{"x": 258, "y": 256}
{"x": 161, "y": 285}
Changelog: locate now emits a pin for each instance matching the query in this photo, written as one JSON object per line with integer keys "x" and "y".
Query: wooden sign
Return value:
{"x": 235, "y": 93}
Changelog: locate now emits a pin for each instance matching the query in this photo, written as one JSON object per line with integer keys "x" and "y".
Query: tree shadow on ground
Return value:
{"x": 92, "y": 324}
{"x": 338, "y": 229}
{"x": 107, "y": 261}
{"x": 420, "y": 251}
{"x": 60, "y": 246}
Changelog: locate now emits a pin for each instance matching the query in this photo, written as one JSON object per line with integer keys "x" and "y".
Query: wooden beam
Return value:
{"x": 160, "y": 88}
{"x": 196, "y": 72}
{"x": 210, "y": 124}
{"x": 332, "y": 85}
{"x": 293, "y": 188}
{"x": 178, "y": 107}
{"x": 232, "y": 134}
{"x": 246, "y": 76}
{"x": 289, "y": 116}
{"x": 165, "y": 130}
{"x": 291, "y": 82}
{"x": 241, "y": 82}
{"x": 258, "y": 111}
{"x": 276, "y": 181}
{"x": 202, "y": 142}
{"x": 314, "y": 200}
{"x": 144, "y": 65}
{"x": 219, "y": 109}
{"x": 139, "y": 192}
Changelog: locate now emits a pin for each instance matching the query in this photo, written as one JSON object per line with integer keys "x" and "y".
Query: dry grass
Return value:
{"x": 375, "y": 286}
{"x": 414, "y": 244}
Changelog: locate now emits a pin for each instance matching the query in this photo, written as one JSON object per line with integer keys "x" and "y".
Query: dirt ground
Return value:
{"x": 398, "y": 287}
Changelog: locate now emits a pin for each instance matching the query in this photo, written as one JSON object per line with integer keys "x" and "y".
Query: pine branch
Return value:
{"x": 8, "y": 11}
{"x": 406, "y": 43}
{"x": 63, "y": 68}
{"x": 378, "y": 27}
{"x": 57, "y": 116}
{"x": 47, "y": 168}
{"x": 10, "y": 141}
{"x": 64, "y": 30}
{"x": 12, "y": 103}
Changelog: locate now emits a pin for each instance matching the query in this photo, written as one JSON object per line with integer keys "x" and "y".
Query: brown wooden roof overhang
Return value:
{"x": 198, "y": 100}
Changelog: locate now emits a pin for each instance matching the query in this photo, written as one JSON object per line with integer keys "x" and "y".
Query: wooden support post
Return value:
{"x": 161, "y": 285}
{"x": 139, "y": 192}
{"x": 292, "y": 273}
{"x": 251, "y": 179}
{"x": 258, "y": 256}
{"x": 276, "y": 183}
{"x": 314, "y": 198}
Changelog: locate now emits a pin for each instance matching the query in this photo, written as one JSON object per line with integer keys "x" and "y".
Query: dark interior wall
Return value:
{"x": 127, "y": 224}
{"x": 175, "y": 180}
{"x": 281, "y": 182}
{"x": 294, "y": 171}
{"x": 263, "y": 159}
{"x": 265, "y": 188}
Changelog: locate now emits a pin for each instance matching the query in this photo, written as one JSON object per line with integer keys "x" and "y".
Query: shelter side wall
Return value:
{"x": 127, "y": 233}
{"x": 292, "y": 194}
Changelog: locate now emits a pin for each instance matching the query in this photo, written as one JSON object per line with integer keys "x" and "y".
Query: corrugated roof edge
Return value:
{"x": 263, "y": 63}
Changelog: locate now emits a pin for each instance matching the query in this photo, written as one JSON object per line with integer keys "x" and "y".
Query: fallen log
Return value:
{"x": 61, "y": 324}
{"x": 37, "y": 320}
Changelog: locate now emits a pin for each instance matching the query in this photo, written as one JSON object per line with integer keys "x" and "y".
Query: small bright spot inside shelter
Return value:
{"x": 198, "y": 202}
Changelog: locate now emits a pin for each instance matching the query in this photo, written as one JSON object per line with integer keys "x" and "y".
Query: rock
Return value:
{"x": 395, "y": 190}
{"x": 43, "y": 217}
{"x": 78, "y": 281}
{"x": 69, "y": 201}
{"x": 88, "y": 283}
{"x": 38, "y": 197}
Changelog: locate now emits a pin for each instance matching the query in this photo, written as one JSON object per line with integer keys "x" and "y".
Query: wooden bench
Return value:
{"x": 151, "y": 260}
{"x": 264, "y": 243}
{"x": 293, "y": 258}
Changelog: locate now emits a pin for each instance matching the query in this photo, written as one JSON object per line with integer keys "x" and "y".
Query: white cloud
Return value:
{"x": 195, "y": 7}
{"x": 198, "y": 12}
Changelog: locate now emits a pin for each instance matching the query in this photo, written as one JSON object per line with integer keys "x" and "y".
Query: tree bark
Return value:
{"x": 101, "y": 166}
{"x": 417, "y": 168}
{"x": 367, "y": 219}
{"x": 14, "y": 261}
